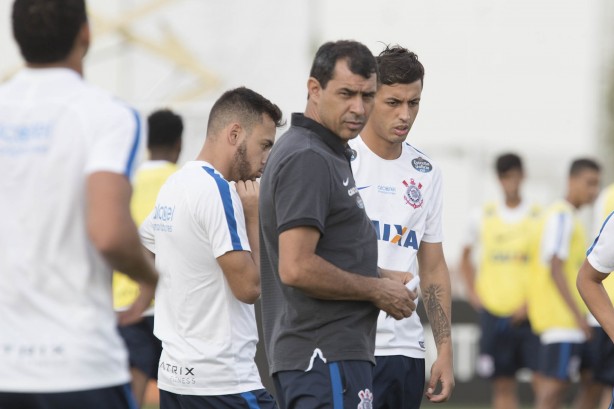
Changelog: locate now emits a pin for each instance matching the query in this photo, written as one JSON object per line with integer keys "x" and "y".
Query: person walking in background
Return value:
{"x": 67, "y": 153}
{"x": 164, "y": 131}
{"x": 203, "y": 231}
{"x": 556, "y": 310}
{"x": 503, "y": 231}
{"x": 321, "y": 287}
{"x": 402, "y": 192}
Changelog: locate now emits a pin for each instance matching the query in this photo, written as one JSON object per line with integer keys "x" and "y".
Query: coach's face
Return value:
{"x": 346, "y": 103}
{"x": 252, "y": 153}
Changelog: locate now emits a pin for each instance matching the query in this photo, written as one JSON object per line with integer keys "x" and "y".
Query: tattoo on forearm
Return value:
{"x": 436, "y": 314}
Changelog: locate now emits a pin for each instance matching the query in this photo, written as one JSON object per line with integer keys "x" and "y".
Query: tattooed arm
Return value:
{"x": 437, "y": 298}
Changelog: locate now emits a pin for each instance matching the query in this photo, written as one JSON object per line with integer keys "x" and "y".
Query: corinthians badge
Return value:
{"x": 413, "y": 195}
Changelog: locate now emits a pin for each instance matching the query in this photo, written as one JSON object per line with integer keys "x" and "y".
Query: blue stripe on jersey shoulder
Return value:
{"x": 599, "y": 235}
{"x": 250, "y": 398}
{"x": 224, "y": 188}
{"x": 135, "y": 144}
{"x": 417, "y": 150}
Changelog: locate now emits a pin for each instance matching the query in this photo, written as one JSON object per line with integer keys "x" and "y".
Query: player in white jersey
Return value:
{"x": 204, "y": 235}
{"x": 402, "y": 192}
{"x": 67, "y": 152}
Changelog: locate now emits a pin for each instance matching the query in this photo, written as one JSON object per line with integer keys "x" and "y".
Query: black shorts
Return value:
{"x": 332, "y": 385}
{"x": 560, "y": 360}
{"x": 258, "y": 399}
{"x": 598, "y": 356}
{"x": 116, "y": 397}
{"x": 506, "y": 348}
{"x": 144, "y": 348}
{"x": 398, "y": 382}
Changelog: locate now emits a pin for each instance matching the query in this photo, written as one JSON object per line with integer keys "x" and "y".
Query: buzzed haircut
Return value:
{"x": 507, "y": 162}
{"x": 242, "y": 105}
{"x": 46, "y": 30}
{"x": 398, "y": 65}
{"x": 581, "y": 164}
{"x": 164, "y": 129}
{"x": 359, "y": 59}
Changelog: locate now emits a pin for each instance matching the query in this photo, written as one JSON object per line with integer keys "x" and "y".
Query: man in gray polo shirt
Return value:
{"x": 321, "y": 287}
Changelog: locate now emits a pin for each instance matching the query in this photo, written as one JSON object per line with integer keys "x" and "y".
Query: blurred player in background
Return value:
{"x": 164, "y": 130}
{"x": 556, "y": 310}
{"x": 67, "y": 153}
{"x": 504, "y": 233}
{"x": 402, "y": 192}
{"x": 204, "y": 234}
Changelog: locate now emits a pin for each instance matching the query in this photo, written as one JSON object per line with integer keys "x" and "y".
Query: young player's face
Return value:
{"x": 396, "y": 108}
{"x": 253, "y": 152}
{"x": 585, "y": 185}
{"x": 346, "y": 103}
{"x": 510, "y": 182}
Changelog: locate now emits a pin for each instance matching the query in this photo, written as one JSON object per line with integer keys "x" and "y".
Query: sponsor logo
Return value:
{"x": 363, "y": 187}
{"x": 422, "y": 165}
{"x": 421, "y": 343}
{"x": 178, "y": 374}
{"x": 366, "y": 399}
{"x": 163, "y": 218}
{"x": 352, "y": 191}
{"x": 387, "y": 190}
{"x": 396, "y": 234}
{"x": 353, "y": 154}
{"x": 17, "y": 139}
{"x": 413, "y": 195}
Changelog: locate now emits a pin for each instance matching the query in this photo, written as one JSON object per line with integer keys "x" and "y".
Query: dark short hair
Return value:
{"x": 359, "y": 59}
{"x": 164, "y": 129}
{"x": 398, "y": 65}
{"x": 581, "y": 164}
{"x": 244, "y": 105}
{"x": 507, "y": 162}
{"x": 46, "y": 30}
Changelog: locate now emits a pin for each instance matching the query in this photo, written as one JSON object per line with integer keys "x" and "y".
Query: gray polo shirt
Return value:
{"x": 308, "y": 182}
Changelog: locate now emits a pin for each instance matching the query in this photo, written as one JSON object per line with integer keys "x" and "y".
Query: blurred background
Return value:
{"x": 532, "y": 77}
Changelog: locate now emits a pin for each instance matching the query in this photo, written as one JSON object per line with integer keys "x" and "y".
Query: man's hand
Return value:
{"x": 249, "y": 191}
{"x": 442, "y": 373}
{"x": 134, "y": 314}
{"x": 394, "y": 298}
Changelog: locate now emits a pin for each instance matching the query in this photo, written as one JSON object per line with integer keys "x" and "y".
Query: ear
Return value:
{"x": 313, "y": 89}
{"x": 84, "y": 37}
{"x": 233, "y": 134}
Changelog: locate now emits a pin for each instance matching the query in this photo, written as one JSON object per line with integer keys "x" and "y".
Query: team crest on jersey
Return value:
{"x": 366, "y": 399}
{"x": 413, "y": 194}
{"x": 353, "y": 154}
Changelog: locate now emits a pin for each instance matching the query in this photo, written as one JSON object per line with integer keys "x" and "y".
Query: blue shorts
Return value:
{"x": 258, "y": 399}
{"x": 333, "y": 385}
{"x": 116, "y": 397}
{"x": 144, "y": 348}
{"x": 560, "y": 360}
{"x": 506, "y": 348}
{"x": 398, "y": 382}
{"x": 598, "y": 356}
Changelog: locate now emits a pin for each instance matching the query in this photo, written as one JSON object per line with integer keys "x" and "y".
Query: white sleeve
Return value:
{"x": 433, "y": 232}
{"x": 221, "y": 214}
{"x": 601, "y": 253}
{"x": 148, "y": 238}
{"x": 116, "y": 141}
{"x": 556, "y": 237}
{"x": 472, "y": 230}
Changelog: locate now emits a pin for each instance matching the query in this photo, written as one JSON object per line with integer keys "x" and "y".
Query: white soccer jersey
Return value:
{"x": 208, "y": 336}
{"x": 58, "y": 329}
{"x": 403, "y": 198}
{"x": 601, "y": 253}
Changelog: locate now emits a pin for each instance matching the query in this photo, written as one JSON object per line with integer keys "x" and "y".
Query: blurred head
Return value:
{"x": 247, "y": 121}
{"x": 165, "y": 129}
{"x": 48, "y": 31}
{"x": 584, "y": 182}
{"x": 341, "y": 87}
{"x": 510, "y": 173}
{"x": 399, "y": 90}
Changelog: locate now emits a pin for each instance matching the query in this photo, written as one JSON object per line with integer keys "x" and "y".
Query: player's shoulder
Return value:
{"x": 419, "y": 160}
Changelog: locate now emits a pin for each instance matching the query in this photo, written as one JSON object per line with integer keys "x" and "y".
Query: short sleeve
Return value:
{"x": 434, "y": 219}
{"x": 557, "y": 236}
{"x": 116, "y": 142}
{"x": 220, "y": 214}
{"x": 302, "y": 192}
{"x": 601, "y": 254}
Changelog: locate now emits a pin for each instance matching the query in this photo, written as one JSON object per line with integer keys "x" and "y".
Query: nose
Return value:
{"x": 404, "y": 113}
{"x": 358, "y": 105}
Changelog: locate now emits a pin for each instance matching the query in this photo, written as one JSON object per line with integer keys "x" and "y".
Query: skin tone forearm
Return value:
{"x": 301, "y": 268}
{"x": 590, "y": 286}
{"x": 558, "y": 277}
{"x": 468, "y": 272}
{"x": 437, "y": 296}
